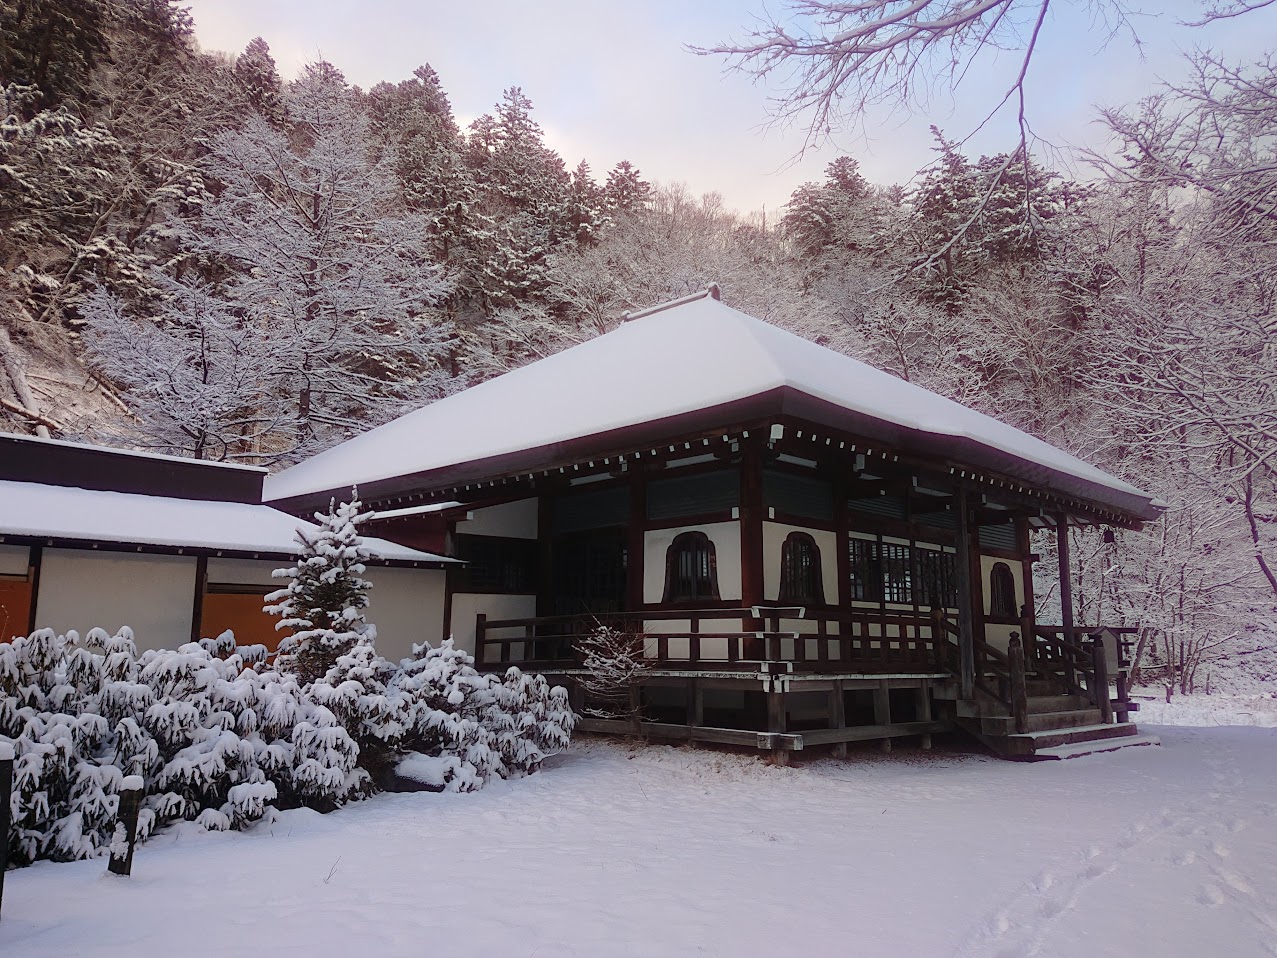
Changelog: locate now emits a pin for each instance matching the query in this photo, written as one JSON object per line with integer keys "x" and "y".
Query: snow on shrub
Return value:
{"x": 214, "y": 740}
{"x": 221, "y": 739}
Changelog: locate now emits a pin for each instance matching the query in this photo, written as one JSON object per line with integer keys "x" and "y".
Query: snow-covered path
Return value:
{"x": 1161, "y": 851}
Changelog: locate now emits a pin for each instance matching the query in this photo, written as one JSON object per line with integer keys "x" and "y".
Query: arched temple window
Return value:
{"x": 1002, "y": 592}
{"x": 691, "y": 570}
{"x": 800, "y": 579}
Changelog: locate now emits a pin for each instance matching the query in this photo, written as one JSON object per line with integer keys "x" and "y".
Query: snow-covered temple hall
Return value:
{"x": 808, "y": 550}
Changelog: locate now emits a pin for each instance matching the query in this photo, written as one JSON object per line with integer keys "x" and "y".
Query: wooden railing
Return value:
{"x": 1077, "y": 657}
{"x": 860, "y": 640}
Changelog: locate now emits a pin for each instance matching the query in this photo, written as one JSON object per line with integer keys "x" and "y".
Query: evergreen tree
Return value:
{"x": 258, "y": 77}
{"x": 586, "y": 206}
{"x": 324, "y": 602}
{"x": 626, "y": 191}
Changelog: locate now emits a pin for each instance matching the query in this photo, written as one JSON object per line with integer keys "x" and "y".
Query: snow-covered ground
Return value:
{"x": 610, "y": 851}
{"x": 1219, "y": 708}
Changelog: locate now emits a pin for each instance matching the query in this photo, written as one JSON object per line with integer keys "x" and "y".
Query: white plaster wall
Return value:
{"x": 14, "y": 560}
{"x": 496, "y": 605}
{"x": 726, "y": 539}
{"x": 406, "y": 605}
{"x": 774, "y": 535}
{"x": 513, "y": 520}
{"x": 999, "y": 636}
{"x": 247, "y": 572}
{"x": 986, "y": 574}
{"x": 153, "y": 595}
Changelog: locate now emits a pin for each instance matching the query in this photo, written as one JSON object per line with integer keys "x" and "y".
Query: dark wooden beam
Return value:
{"x": 882, "y": 707}
{"x": 197, "y": 608}
{"x": 35, "y": 561}
{"x": 634, "y": 570}
{"x": 966, "y": 621}
{"x": 1066, "y": 574}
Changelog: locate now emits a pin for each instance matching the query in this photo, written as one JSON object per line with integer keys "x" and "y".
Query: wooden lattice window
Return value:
{"x": 937, "y": 579}
{"x": 897, "y": 573}
{"x": 866, "y": 570}
{"x": 800, "y": 578}
{"x": 691, "y": 569}
{"x": 1001, "y": 592}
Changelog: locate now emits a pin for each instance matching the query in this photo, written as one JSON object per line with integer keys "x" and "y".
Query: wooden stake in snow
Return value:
{"x": 126, "y": 826}
{"x": 6, "y": 787}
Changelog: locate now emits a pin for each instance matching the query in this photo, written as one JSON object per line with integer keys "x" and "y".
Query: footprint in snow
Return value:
{"x": 1235, "y": 882}
{"x": 1044, "y": 881}
{"x": 1184, "y": 858}
{"x": 1210, "y": 895}
{"x": 1220, "y": 851}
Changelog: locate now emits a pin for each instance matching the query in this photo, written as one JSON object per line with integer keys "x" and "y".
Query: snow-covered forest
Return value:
{"x": 198, "y": 257}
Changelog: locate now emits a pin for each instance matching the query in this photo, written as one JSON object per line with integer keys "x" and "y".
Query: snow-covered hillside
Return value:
{"x": 1166, "y": 851}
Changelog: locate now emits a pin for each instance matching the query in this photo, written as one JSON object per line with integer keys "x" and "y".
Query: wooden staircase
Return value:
{"x": 1061, "y": 708}
{"x": 1056, "y": 727}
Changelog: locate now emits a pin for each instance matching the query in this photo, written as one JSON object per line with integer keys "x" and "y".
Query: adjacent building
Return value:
{"x": 176, "y": 549}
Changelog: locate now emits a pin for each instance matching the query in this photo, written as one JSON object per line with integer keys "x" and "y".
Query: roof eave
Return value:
{"x": 747, "y": 412}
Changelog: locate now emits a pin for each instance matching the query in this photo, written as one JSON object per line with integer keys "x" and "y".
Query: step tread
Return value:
{"x": 1046, "y": 721}
{"x": 1078, "y": 749}
{"x": 1058, "y": 703}
{"x": 1111, "y": 731}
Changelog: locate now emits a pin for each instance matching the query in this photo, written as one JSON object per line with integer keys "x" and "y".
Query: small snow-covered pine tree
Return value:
{"x": 325, "y": 601}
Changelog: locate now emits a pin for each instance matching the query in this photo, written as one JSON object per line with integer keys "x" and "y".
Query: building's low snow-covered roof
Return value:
{"x": 690, "y": 357}
{"x": 33, "y": 510}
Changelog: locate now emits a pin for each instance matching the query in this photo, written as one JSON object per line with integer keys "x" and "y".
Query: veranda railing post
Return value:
{"x": 1101, "y": 669}
{"x": 1019, "y": 687}
{"x": 6, "y": 789}
{"x": 480, "y": 636}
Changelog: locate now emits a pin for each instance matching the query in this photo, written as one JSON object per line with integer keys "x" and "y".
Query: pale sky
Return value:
{"x": 613, "y": 80}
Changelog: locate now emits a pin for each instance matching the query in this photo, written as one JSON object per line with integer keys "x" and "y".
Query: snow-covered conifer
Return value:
{"x": 325, "y": 600}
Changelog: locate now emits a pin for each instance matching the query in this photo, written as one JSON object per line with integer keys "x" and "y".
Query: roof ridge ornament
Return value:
{"x": 712, "y": 291}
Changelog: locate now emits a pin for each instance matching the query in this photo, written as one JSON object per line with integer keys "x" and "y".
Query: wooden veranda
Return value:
{"x": 905, "y": 669}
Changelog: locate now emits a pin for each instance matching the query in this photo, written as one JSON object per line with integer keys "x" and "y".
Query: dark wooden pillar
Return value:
{"x": 924, "y": 709}
{"x": 695, "y": 708}
{"x": 197, "y": 607}
{"x": 751, "y": 533}
{"x": 35, "y": 562}
{"x": 838, "y": 716}
{"x": 882, "y": 709}
{"x": 777, "y": 717}
{"x": 966, "y": 593}
{"x": 545, "y": 552}
{"x": 1028, "y": 612}
{"x": 1066, "y": 575}
{"x": 634, "y": 545}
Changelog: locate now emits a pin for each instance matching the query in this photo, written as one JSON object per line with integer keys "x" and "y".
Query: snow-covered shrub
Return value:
{"x": 325, "y": 600}
{"x": 361, "y": 692}
{"x": 503, "y": 725}
{"x": 529, "y": 720}
{"x": 214, "y": 740}
{"x": 220, "y": 739}
{"x": 445, "y": 701}
{"x": 614, "y": 665}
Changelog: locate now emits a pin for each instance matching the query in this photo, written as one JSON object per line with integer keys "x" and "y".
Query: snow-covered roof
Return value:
{"x": 86, "y": 515}
{"x": 425, "y": 510}
{"x": 132, "y": 453}
{"x": 691, "y": 356}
